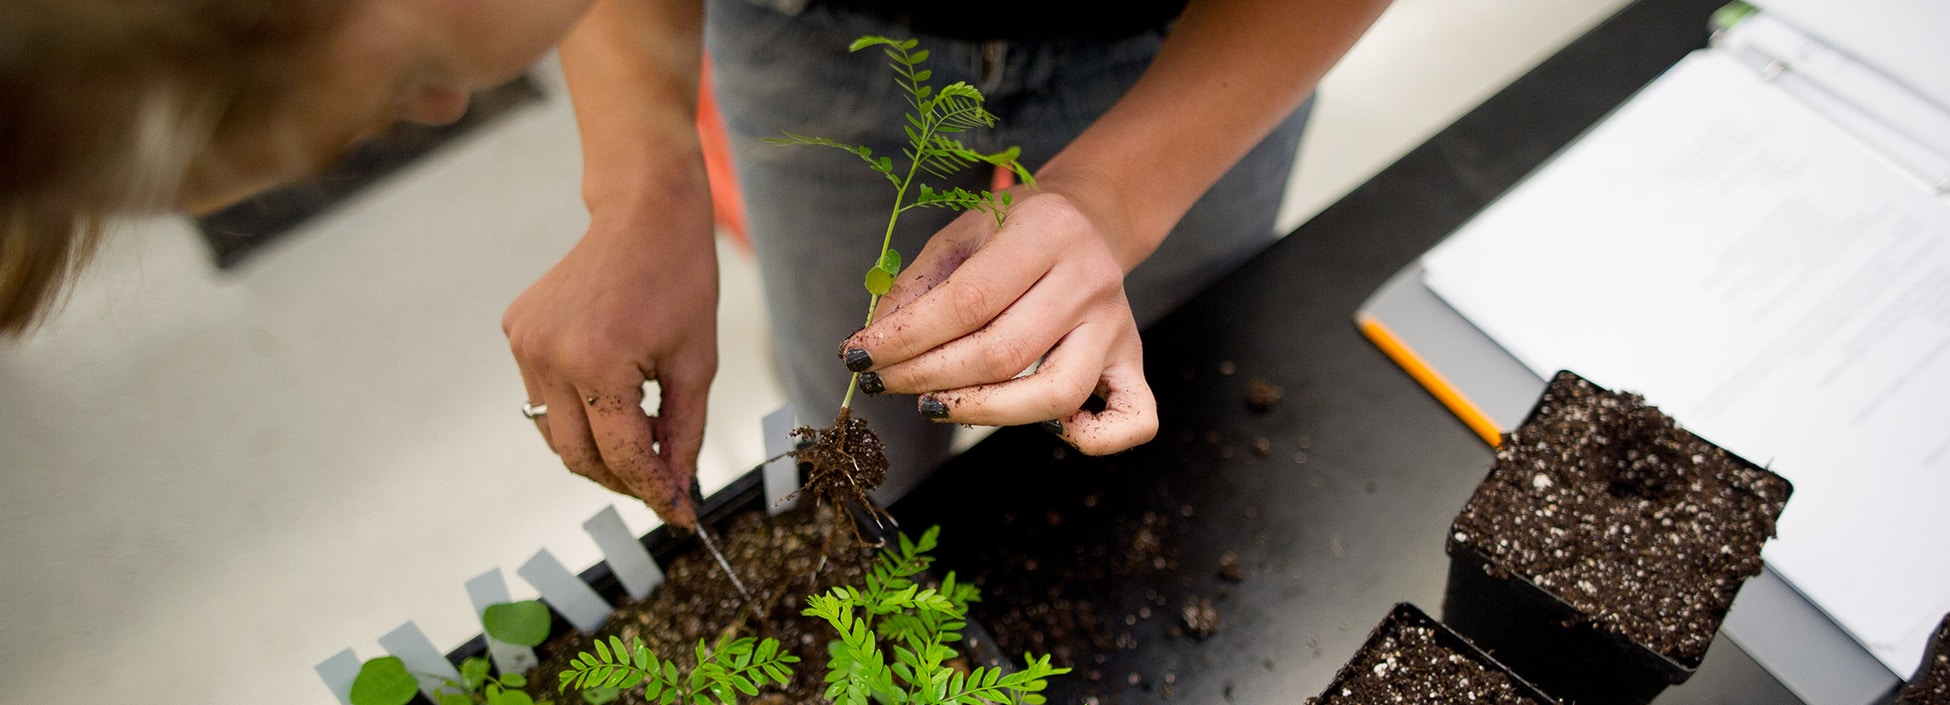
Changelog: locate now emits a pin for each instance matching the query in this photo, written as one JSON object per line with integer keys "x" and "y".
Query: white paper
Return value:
{"x": 1765, "y": 279}
{"x": 1904, "y": 38}
{"x": 1902, "y": 125}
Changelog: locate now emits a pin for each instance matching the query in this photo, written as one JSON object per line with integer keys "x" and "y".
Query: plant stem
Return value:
{"x": 887, "y": 241}
{"x": 847, "y": 403}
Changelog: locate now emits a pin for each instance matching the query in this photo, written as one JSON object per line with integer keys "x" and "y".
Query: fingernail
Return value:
{"x": 871, "y": 384}
{"x": 857, "y": 360}
{"x": 932, "y": 408}
{"x": 1054, "y": 427}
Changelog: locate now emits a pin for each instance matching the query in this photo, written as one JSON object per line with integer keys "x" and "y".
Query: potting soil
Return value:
{"x": 780, "y": 560}
{"x": 1605, "y": 502}
{"x": 1404, "y": 663}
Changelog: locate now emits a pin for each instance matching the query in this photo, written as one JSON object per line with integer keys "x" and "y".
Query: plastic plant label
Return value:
{"x": 491, "y": 589}
{"x": 782, "y": 474}
{"x": 338, "y": 672}
{"x": 572, "y": 598}
{"x": 627, "y": 557}
{"x": 423, "y": 660}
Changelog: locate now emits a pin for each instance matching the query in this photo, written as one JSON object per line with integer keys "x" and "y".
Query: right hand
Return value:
{"x": 635, "y": 300}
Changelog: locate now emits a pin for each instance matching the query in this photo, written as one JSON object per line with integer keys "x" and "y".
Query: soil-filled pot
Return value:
{"x": 1601, "y": 553}
{"x": 1931, "y": 684}
{"x": 781, "y": 559}
{"x": 1412, "y": 658}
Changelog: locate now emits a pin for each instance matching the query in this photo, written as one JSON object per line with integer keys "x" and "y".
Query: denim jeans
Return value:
{"x": 816, "y": 215}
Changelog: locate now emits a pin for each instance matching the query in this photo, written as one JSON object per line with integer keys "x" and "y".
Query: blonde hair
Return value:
{"x": 108, "y": 102}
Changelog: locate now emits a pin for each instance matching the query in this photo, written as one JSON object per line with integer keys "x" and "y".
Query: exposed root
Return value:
{"x": 846, "y": 461}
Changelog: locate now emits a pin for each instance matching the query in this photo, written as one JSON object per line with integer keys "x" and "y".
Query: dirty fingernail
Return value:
{"x": 1054, "y": 427}
{"x": 932, "y": 408}
{"x": 871, "y": 384}
{"x": 857, "y": 360}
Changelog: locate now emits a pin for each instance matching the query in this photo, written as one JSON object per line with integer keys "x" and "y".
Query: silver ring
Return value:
{"x": 534, "y": 411}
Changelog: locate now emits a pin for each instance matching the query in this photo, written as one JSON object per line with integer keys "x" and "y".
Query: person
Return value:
{"x": 1139, "y": 118}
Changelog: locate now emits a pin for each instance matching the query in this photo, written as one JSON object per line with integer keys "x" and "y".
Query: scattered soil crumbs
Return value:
{"x": 1404, "y": 662}
{"x": 1931, "y": 686}
{"x": 1261, "y": 395}
{"x": 1230, "y": 569}
{"x": 847, "y": 461}
{"x": 1051, "y": 599}
{"x": 1608, "y": 504}
{"x": 776, "y": 557}
{"x": 1201, "y": 619}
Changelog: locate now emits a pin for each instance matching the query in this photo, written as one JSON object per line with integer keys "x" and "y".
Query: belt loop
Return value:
{"x": 994, "y": 53}
{"x": 784, "y": 7}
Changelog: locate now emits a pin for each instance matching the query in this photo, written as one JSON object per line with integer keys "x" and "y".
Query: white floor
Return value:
{"x": 214, "y": 480}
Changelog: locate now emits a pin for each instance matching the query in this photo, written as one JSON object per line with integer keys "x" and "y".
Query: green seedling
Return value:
{"x": 386, "y": 681}
{"x": 933, "y": 118}
{"x": 919, "y": 624}
{"x": 847, "y": 459}
{"x": 731, "y": 668}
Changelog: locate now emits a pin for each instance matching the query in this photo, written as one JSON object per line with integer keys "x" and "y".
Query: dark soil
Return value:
{"x": 780, "y": 560}
{"x": 1053, "y": 582}
{"x": 1931, "y": 686}
{"x": 846, "y": 461}
{"x": 1404, "y": 662}
{"x": 1605, "y": 502}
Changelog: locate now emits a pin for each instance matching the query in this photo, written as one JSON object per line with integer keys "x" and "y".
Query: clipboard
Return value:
{"x": 1489, "y": 387}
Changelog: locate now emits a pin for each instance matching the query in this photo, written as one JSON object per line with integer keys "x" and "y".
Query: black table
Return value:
{"x": 1341, "y": 510}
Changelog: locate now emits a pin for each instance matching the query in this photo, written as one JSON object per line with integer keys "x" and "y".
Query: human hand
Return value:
{"x": 635, "y": 300}
{"x": 980, "y": 304}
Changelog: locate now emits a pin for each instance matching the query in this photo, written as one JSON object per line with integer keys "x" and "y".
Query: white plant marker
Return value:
{"x": 782, "y": 474}
{"x": 425, "y": 662}
{"x": 489, "y": 589}
{"x": 338, "y": 672}
{"x": 574, "y": 599}
{"x": 626, "y": 556}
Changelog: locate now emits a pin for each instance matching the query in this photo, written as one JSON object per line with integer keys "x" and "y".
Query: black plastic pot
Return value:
{"x": 1540, "y": 635}
{"x": 1545, "y": 638}
{"x": 1405, "y": 615}
{"x": 1931, "y": 684}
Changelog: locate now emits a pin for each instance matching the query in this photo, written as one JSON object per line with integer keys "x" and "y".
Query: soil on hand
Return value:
{"x": 779, "y": 559}
{"x": 1403, "y": 662}
{"x": 1931, "y": 686}
{"x": 846, "y": 461}
{"x": 1643, "y": 527}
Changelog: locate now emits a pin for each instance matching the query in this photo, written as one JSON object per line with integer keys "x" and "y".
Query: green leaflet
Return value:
{"x": 383, "y": 681}
{"x": 880, "y": 279}
{"x": 524, "y": 623}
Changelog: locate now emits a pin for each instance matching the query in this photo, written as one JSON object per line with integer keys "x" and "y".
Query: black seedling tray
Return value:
{"x": 745, "y": 494}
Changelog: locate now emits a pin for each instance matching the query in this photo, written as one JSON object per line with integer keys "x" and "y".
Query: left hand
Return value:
{"x": 980, "y": 304}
